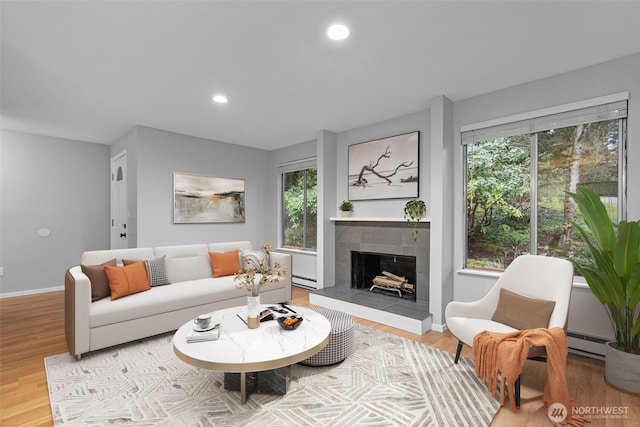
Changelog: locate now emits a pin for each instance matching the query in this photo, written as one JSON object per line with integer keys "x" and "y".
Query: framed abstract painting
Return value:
{"x": 207, "y": 199}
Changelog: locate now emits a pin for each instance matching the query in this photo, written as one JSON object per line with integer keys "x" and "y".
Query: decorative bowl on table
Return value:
{"x": 289, "y": 323}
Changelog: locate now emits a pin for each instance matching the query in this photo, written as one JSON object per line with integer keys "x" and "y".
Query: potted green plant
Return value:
{"x": 346, "y": 208}
{"x": 613, "y": 274}
{"x": 414, "y": 210}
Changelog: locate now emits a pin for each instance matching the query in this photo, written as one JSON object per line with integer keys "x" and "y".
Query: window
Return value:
{"x": 299, "y": 207}
{"x": 518, "y": 173}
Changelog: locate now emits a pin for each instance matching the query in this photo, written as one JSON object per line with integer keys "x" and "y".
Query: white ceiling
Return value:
{"x": 90, "y": 70}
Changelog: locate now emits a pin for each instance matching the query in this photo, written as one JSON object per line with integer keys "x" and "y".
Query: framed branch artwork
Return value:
{"x": 207, "y": 199}
{"x": 385, "y": 168}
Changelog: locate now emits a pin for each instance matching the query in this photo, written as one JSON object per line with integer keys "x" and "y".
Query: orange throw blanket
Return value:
{"x": 505, "y": 354}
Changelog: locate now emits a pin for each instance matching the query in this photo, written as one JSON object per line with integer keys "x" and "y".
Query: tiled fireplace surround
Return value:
{"x": 388, "y": 237}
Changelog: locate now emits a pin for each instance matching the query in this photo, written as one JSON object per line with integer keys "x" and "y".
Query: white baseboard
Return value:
{"x": 439, "y": 328}
{"x": 31, "y": 292}
{"x": 304, "y": 282}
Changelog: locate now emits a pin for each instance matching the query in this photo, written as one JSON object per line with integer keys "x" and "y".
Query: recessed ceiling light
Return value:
{"x": 338, "y": 32}
{"x": 220, "y": 99}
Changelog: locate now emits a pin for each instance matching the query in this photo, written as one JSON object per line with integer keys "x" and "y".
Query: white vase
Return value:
{"x": 253, "y": 306}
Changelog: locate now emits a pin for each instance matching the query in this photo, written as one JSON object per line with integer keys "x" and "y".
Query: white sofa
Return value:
{"x": 93, "y": 325}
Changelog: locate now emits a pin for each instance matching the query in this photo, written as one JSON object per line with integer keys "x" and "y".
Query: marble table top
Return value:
{"x": 240, "y": 349}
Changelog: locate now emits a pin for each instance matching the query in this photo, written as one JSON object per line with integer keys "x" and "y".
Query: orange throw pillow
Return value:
{"x": 225, "y": 264}
{"x": 127, "y": 280}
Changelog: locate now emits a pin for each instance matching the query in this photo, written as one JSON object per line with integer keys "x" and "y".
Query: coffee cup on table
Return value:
{"x": 203, "y": 321}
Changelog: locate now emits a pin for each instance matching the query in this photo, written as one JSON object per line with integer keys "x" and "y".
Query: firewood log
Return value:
{"x": 394, "y": 277}
{"x": 380, "y": 281}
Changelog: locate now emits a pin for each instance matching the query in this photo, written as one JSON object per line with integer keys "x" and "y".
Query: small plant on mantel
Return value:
{"x": 346, "y": 208}
{"x": 414, "y": 210}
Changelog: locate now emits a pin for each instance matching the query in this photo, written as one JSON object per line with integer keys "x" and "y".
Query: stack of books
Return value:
{"x": 211, "y": 335}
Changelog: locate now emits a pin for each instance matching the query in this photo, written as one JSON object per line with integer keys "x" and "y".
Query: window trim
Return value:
{"x": 608, "y": 107}
{"x": 283, "y": 169}
{"x": 297, "y": 165}
{"x": 572, "y": 106}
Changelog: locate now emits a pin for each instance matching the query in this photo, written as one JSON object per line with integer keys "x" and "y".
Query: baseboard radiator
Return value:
{"x": 304, "y": 282}
{"x": 586, "y": 345}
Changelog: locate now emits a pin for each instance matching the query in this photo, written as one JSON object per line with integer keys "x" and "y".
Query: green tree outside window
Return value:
{"x": 501, "y": 201}
{"x": 300, "y": 206}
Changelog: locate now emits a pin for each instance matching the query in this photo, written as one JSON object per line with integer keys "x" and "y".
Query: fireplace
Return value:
{"x": 385, "y": 245}
{"x": 387, "y": 238}
{"x": 389, "y": 274}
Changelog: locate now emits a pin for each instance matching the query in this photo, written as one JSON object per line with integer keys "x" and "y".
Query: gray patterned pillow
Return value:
{"x": 158, "y": 271}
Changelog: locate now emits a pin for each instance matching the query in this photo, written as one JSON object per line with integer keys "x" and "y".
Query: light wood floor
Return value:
{"x": 32, "y": 327}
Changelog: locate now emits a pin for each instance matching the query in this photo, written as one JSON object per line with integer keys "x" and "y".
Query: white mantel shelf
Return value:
{"x": 371, "y": 219}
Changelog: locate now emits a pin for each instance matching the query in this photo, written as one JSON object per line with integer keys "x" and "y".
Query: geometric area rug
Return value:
{"x": 387, "y": 381}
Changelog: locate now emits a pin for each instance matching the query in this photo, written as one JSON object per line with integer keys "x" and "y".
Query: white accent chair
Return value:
{"x": 533, "y": 276}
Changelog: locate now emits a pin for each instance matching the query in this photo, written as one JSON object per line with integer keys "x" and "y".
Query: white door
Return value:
{"x": 119, "y": 210}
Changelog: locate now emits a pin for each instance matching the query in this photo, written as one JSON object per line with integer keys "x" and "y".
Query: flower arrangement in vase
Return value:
{"x": 258, "y": 272}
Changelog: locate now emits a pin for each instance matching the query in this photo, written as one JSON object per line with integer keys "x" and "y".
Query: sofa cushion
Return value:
{"x": 98, "y": 257}
{"x": 189, "y": 268}
{"x": 185, "y": 262}
{"x": 163, "y": 299}
{"x": 98, "y": 278}
{"x": 127, "y": 280}
{"x": 229, "y": 246}
{"x": 225, "y": 264}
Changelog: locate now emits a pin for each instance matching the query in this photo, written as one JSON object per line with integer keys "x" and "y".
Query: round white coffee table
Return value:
{"x": 242, "y": 350}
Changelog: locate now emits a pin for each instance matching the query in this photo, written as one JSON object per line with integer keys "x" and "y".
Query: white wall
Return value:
{"x": 161, "y": 153}
{"x": 441, "y": 181}
{"x": 57, "y": 184}
{"x": 393, "y": 208}
{"x": 327, "y": 206}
